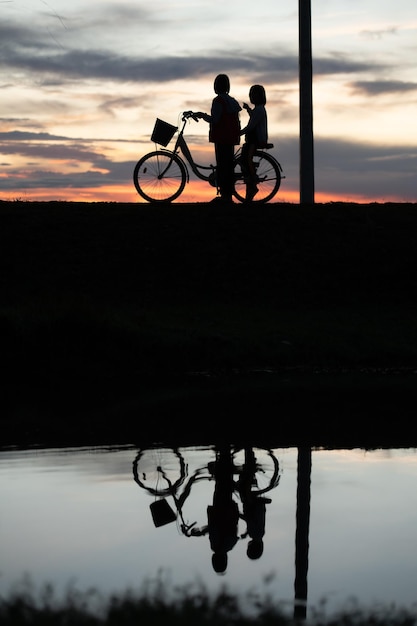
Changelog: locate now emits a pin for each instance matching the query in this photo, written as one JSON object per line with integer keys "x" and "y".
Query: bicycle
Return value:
{"x": 163, "y": 473}
{"x": 161, "y": 175}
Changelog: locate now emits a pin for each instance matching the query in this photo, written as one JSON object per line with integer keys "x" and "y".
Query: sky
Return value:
{"x": 83, "y": 82}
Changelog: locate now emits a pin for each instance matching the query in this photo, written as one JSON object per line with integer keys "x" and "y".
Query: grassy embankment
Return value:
{"x": 190, "y": 605}
{"x": 156, "y": 312}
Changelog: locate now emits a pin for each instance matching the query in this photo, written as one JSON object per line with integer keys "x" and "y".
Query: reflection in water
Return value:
{"x": 223, "y": 514}
{"x": 241, "y": 477}
{"x": 302, "y": 529}
{"x": 78, "y": 514}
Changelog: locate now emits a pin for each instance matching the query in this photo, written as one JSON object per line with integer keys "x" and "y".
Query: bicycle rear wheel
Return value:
{"x": 263, "y": 466}
{"x": 159, "y": 176}
{"x": 268, "y": 173}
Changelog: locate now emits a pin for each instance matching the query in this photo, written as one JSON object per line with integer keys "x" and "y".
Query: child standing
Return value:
{"x": 256, "y": 136}
{"x": 224, "y": 133}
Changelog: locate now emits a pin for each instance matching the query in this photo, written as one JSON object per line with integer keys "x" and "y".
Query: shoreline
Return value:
{"x": 151, "y": 322}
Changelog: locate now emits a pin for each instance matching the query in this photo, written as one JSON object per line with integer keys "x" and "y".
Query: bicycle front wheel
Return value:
{"x": 160, "y": 471}
{"x": 268, "y": 175}
{"x": 159, "y": 176}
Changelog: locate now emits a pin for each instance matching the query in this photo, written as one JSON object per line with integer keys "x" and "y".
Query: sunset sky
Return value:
{"x": 82, "y": 83}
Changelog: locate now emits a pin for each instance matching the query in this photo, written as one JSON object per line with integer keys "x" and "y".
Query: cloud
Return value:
{"x": 92, "y": 170}
{"x": 110, "y": 104}
{"x": 106, "y": 65}
{"x": 59, "y": 152}
{"x": 342, "y": 64}
{"x": 381, "y": 87}
{"x": 342, "y": 167}
{"x": 53, "y": 147}
{"x": 354, "y": 168}
{"x": 18, "y": 135}
{"x": 25, "y": 48}
{"x": 379, "y": 33}
{"x": 86, "y": 166}
{"x": 101, "y": 68}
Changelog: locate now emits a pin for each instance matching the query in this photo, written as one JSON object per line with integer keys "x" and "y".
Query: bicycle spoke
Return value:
{"x": 264, "y": 467}
{"x": 160, "y": 177}
{"x": 268, "y": 175}
{"x": 158, "y": 470}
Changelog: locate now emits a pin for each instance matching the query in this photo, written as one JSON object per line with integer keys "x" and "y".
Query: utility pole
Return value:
{"x": 302, "y": 531}
{"x": 306, "y": 103}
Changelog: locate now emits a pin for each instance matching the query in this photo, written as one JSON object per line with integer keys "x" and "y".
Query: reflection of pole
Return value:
{"x": 301, "y": 532}
{"x": 306, "y": 103}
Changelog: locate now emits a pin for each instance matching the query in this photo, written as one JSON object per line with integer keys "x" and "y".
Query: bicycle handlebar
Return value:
{"x": 187, "y": 114}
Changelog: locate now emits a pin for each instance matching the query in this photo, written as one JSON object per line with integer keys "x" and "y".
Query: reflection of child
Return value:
{"x": 254, "y": 511}
{"x": 223, "y": 518}
{"x": 223, "y": 514}
{"x": 254, "y": 507}
{"x": 256, "y": 136}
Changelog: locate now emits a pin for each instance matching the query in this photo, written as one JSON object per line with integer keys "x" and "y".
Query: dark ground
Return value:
{"x": 136, "y": 323}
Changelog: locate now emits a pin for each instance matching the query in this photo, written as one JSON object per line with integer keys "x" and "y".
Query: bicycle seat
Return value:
{"x": 269, "y": 146}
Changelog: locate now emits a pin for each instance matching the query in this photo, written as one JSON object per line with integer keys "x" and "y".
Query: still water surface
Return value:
{"x": 83, "y": 516}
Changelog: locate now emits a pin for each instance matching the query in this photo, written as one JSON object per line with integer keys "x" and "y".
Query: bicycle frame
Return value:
{"x": 244, "y": 485}
{"x": 247, "y": 467}
{"x": 161, "y": 175}
{"x": 181, "y": 146}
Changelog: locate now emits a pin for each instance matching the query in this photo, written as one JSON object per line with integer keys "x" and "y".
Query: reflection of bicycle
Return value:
{"x": 160, "y": 471}
{"x": 164, "y": 473}
{"x": 161, "y": 176}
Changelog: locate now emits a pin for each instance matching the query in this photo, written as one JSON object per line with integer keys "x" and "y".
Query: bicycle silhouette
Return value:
{"x": 163, "y": 472}
{"x": 161, "y": 175}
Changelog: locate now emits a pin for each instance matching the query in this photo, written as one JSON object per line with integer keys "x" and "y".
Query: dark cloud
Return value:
{"x": 38, "y": 146}
{"x": 54, "y": 151}
{"x": 111, "y": 104}
{"x": 30, "y": 55}
{"x": 90, "y": 178}
{"x": 103, "y": 65}
{"x": 23, "y": 49}
{"x": 351, "y": 168}
{"x": 19, "y": 135}
{"x": 342, "y": 64}
{"x": 341, "y": 167}
{"x": 357, "y": 156}
{"x": 93, "y": 168}
{"x": 381, "y": 87}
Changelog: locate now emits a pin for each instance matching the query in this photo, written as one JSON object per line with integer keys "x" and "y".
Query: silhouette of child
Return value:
{"x": 223, "y": 514}
{"x": 256, "y": 136}
{"x": 254, "y": 512}
{"x": 254, "y": 506}
{"x": 224, "y": 133}
{"x": 223, "y": 518}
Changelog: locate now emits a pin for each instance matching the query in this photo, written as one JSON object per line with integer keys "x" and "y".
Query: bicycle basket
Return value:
{"x": 163, "y": 132}
{"x": 162, "y": 513}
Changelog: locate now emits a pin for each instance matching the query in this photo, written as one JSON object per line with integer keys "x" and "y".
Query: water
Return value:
{"x": 81, "y": 516}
